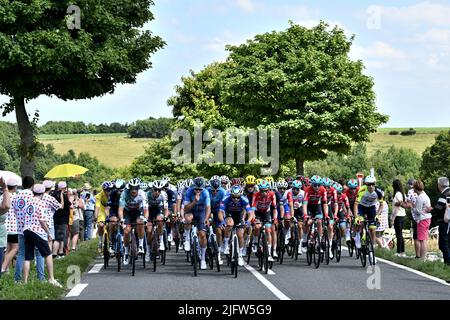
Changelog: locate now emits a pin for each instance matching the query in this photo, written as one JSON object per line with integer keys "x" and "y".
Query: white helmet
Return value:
{"x": 370, "y": 179}
{"x": 282, "y": 184}
{"x": 159, "y": 184}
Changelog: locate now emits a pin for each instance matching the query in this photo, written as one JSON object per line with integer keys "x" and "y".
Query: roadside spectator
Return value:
{"x": 52, "y": 206}
{"x": 19, "y": 204}
{"x": 61, "y": 219}
{"x": 11, "y": 228}
{"x": 81, "y": 214}
{"x": 5, "y": 204}
{"x": 439, "y": 211}
{"x": 422, "y": 216}
{"x": 88, "y": 216}
{"x": 36, "y": 233}
{"x": 75, "y": 228}
{"x": 86, "y": 189}
{"x": 409, "y": 204}
{"x": 382, "y": 213}
{"x": 71, "y": 196}
{"x": 398, "y": 216}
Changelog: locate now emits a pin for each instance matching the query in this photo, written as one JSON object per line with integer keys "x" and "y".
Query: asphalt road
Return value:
{"x": 293, "y": 280}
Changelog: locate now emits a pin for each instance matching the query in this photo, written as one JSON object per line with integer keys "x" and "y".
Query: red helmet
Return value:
{"x": 235, "y": 181}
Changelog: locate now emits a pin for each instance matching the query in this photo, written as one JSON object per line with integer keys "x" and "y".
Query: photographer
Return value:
{"x": 89, "y": 208}
{"x": 440, "y": 210}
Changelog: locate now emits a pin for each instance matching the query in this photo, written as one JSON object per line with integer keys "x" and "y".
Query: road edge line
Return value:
{"x": 280, "y": 295}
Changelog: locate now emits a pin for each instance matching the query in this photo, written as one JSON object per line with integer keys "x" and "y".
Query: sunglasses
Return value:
{"x": 199, "y": 190}
{"x": 156, "y": 190}
{"x": 264, "y": 190}
{"x": 250, "y": 185}
{"x": 134, "y": 189}
{"x": 296, "y": 189}
{"x": 370, "y": 184}
{"x": 235, "y": 197}
{"x": 315, "y": 185}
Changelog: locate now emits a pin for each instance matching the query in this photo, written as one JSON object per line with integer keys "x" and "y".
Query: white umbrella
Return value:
{"x": 7, "y": 175}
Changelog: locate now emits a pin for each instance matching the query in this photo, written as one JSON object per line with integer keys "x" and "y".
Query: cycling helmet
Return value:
{"x": 143, "y": 186}
{"x": 180, "y": 185}
{"x": 207, "y": 184}
{"x": 236, "y": 191}
{"x": 235, "y": 181}
{"x": 224, "y": 179}
{"x": 288, "y": 179}
{"x": 215, "y": 184}
{"x": 134, "y": 183}
{"x": 297, "y": 184}
{"x": 119, "y": 184}
{"x": 216, "y": 177}
{"x": 352, "y": 184}
{"x": 250, "y": 180}
{"x": 282, "y": 185}
{"x": 370, "y": 179}
{"x": 159, "y": 184}
{"x": 306, "y": 181}
{"x": 270, "y": 179}
{"x": 199, "y": 183}
{"x": 316, "y": 180}
{"x": 166, "y": 179}
{"x": 107, "y": 185}
{"x": 338, "y": 187}
{"x": 189, "y": 182}
{"x": 264, "y": 184}
{"x": 258, "y": 181}
{"x": 327, "y": 182}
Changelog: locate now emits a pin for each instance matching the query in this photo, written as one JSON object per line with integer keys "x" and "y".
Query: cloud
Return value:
{"x": 246, "y": 5}
{"x": 424, "y": 12}
{"x": 435, "y": 36}
{"x": 381, "y": 55}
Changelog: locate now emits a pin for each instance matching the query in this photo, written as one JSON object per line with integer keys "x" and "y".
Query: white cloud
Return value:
{"x": 381, "y": 55}
{"x": 435, "y": 36}
{"x": 424, "y": 12}
{"x": 246, "y": 5}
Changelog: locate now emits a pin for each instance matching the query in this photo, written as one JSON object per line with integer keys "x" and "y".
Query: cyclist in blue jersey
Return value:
{"x": 217, "y": 194}
{"x": 171, "y": 202}
{"x": 197, "y": 209}
{"x": 133, "y": 208}
{"x": 234, "y": 208}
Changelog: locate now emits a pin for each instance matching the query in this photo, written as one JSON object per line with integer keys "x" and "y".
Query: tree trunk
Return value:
{"x": 27, "y": 143}
{"x": 299, "y": 166}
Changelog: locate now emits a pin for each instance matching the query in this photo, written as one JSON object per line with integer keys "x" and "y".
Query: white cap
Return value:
{"x": 48, "y": 184}
{"x": 62, "y": 185}
{"x": 12, "y": 182}
{"x": 38, "y": 188}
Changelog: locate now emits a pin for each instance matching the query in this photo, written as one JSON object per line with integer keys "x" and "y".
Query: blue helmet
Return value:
{"x": 199, "y": 183}
{"x": 215, "y": 184}
{"x": 326, "y": 182}
{"x": 264, "y": 184}
{"x": 107, "y": 185}
{"x": 316, "y": 180}
{"x": 352, "y": 184}
{"x": 297, "y": 184}
{"x": 236, "y": 191}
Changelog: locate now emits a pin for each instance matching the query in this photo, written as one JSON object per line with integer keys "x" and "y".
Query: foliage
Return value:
{"x": 394, "y": 133}
{"x": 409, "y": 132}
{"x": 150, "y": 128}
{"x": 79, "y": 127}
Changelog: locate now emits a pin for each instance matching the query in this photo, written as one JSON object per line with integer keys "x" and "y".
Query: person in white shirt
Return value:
{"x": 422, "y": 216}
{"x": 398, "y": 216}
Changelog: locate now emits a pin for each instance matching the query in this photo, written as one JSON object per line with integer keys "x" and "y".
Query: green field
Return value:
{"x": 117, "y": 150}
{"x": 114, "y": 150}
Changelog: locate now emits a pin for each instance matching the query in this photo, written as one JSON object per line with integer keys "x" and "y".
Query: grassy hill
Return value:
{"x": 117, "y": 150}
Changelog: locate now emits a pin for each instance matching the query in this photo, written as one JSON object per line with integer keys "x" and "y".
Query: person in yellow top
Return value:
{"x": 101, "y": 201}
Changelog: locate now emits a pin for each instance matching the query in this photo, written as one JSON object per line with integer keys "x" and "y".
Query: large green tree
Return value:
{"x": 44, "y": 52}
{"x": 302, "y": 82}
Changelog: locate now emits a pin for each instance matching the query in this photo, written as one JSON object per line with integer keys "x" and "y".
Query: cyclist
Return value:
{"x": 171, "y": 202}
{"x": 352, "y": 193}
{"x": 197, "y": 209}
{"x": 225, "y": 181}
{"x": 332, "y": 208}
{"x": 233, "y": 208}
{"x": 217, "y": 194}
{"x": 112, "y": 211}
{"x": 157, "y": 210}
{"x": 315, "y": 204}
{"x": 298, "y": 195}
{"x": 133, "y": 202}
{"x": 280, "y": 215}
{"x": 287, "y": 202}
{"x": 101, "y": 201}
{"x": 250, "y": 189}
{"x": 365, "y": 206}
{"x": 263, "y": 202}
{"x": 343, "y": 212}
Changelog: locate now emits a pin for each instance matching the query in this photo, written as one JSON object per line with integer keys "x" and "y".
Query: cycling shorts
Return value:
{"x": 369, "y": 213}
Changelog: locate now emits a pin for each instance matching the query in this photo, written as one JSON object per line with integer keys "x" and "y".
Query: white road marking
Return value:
{"x": 410, "y": 270}
{"x": 280, "y": 295}
{"x": 96, "y": 268}
{"x": 76, "y": 291}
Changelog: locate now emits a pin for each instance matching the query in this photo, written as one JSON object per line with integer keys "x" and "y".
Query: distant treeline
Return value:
{"x": 148, "y": 128}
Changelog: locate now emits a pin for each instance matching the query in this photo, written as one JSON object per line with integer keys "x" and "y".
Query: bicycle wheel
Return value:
{"x": 265, "y": 253}
{"x": 281, "y": 245}
{"x": 133, "y": 253}
{"x": 215, "y": 250}
{"x": 105, "y": 250}
{"x": 338, "y": 245}
{"x": 236, "y": 255}
{"x": 296, "y": 243}
{"x": 316, "y": 253}
{"x": 119, "y": 251}
{"x": 154, "y": 250}
{"x": 370, "y": 250}
{"x": 249, "y": 249}
{"x": 166, "y": 247}
{"x": 309, "y": 250}
{"x": 194, "y": 248}
{"x": 327, "y": 248}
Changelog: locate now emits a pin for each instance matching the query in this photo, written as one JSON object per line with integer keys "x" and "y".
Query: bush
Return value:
{"x": 409, "y": 132}
{"x": 394, "y": 133}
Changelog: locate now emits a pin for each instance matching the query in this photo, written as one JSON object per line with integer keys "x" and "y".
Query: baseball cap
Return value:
{"x": 62, "y": 185}
{"x": 48, "y": 184}
{"x": 12, "y": 182}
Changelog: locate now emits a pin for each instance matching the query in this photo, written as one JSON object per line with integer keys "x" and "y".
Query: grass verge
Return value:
{"x": 433, "y": 268}
{"x": 36, "y": 290}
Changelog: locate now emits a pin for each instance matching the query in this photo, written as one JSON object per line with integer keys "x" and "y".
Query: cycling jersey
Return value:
{"x": 281, "y": 202}
{"x": 313, "y": 197}
{"x": 101, "y": 201}
{"x": 263, "y": 203}
{"x": 298, "y": 200}
{"x": 367, "y": 199}
{"x": 351, "y": 194}
{"x": 156, "y": 205}
{"x": 343, "y": 202}
{"x": 129, "y": 203}
{"x": 216, "y": 199}
{"x": 200, "y": 206}
{"x": 229, "y": 206}
{"x": 332, "y": 196}
{"x": 171, "y": 198}
{"x": 250, "y": 195}
{"x": 113, "y": 203}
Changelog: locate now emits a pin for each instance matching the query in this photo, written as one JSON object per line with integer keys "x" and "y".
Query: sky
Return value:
{"x": 405, "y": 47}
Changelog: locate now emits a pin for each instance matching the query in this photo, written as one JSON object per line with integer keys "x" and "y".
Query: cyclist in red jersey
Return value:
{"x": 263, "y": 202}
{"x": 343, "y": 211}
{"x": 315, "y": 203}
{"x": 332, "y": 208}
{"x": 352, "y": 193}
